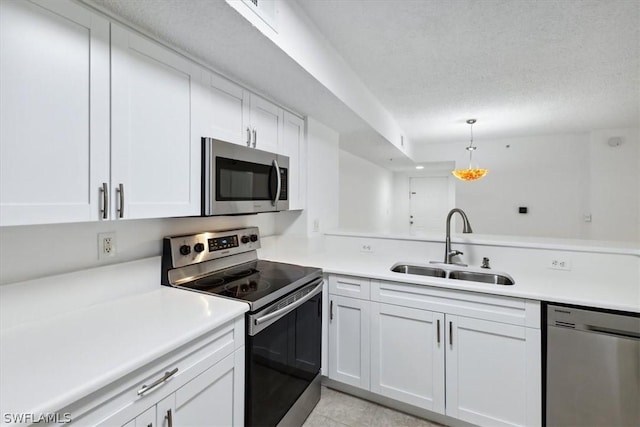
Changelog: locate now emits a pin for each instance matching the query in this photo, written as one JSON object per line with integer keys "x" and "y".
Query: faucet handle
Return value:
{"x": 485, "y": 263}
{"x": 455, "y": 252}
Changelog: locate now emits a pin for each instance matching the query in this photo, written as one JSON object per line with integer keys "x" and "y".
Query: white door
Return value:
{"x": 349, "y": 352}
{"x": 266, "y": 124}
{"x": 54, "y": 112}
{"x": 430, "y": 203}
{"x": 294, "y": 146}
{"x": 407, "y": 355}
{"x": 155, "y": 154}
{"x": 227, "y": 111}
{"x": 491, "y": 374}
{"x": 215, "y": 397}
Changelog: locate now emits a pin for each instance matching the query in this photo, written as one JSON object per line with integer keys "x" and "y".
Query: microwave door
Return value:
{"x": 282, "y": 201}
{"x": 239, "y": 178}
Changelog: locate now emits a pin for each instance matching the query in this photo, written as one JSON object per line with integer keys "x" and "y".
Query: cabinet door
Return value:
{"x": 227, "y": 111}
{"x": 493, "y": 372}
{"x": 407, "y": 355}
{"x": 146, "y": 419}
{"x": 215, "y": 397}
{"x": 349, "y": 335}
{"x": 294, "y": 146}
{"x": 54, "y": 112}
{"x": 165, "y": 411}
{"x": 266, "y": 122}
{"x": 155, "y": 154}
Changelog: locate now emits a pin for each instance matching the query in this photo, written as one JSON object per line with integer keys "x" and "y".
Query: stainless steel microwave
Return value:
{"x": 242, "y": 180}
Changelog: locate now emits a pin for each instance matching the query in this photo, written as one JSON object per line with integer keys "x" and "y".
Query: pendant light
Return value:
{"x": 471, "y": 173}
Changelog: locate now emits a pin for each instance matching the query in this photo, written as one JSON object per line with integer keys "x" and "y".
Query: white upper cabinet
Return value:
{"x": 54, "y": 112}
{"x": 265, "y": 124}
{"x": 226, "y": 111}
{"x": 293, "y": 145}
{"x": 155, "y": 150}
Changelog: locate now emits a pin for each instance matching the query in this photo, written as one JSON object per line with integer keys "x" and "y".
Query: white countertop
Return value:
{"x": 546, "y": 285}
{"x": 51, "y": 363}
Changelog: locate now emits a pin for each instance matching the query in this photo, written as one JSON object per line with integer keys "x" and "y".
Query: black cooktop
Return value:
{"x": 257, "y": 282}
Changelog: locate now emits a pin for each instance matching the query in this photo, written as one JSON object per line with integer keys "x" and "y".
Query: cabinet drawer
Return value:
{"x": 350, "y": 286}
{"x": 515, "y": 311}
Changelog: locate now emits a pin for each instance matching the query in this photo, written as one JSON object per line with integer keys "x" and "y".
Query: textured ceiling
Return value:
{"x": 520, "y": 67}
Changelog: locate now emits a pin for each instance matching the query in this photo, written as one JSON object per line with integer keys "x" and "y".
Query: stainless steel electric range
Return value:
{"x": 284, "y": 322}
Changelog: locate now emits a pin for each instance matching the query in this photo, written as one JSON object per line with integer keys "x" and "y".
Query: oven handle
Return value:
{"x": 274, "y": 202}
{"x": 292, "y": 306}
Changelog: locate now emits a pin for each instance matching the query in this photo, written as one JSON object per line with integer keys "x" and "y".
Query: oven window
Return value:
{"x": 237, "y": 180}
{"x": 282, "y": 360}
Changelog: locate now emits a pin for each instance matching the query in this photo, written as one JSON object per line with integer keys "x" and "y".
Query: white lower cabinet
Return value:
{"x": 206, "y": 400}
{"x": 349, "y": 353}
{"x": 436, "y": 349}
{"x": 493, "y": 372}
{"x": 200, "y": 384}
{"x": 407, "y": 355}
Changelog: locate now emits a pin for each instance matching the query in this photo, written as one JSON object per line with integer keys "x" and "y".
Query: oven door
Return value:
{"x": 283, "y": 351}
{"x": 239, "y": 179}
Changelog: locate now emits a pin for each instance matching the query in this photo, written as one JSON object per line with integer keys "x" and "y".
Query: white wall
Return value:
{"x": 614, "y": 194}
{"x": 299, "y": 38}
{"x": 322, "y": 186}
{"x": 29, "y": 252}
{"x": 365, "y": 194}
{"x": 559, "y": 178}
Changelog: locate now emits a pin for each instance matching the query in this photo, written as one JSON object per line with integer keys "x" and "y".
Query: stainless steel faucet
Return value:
{"x": 466, "y": 228}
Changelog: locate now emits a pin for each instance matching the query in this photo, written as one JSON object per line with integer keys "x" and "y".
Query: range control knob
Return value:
{"x": 198, "y": 247}
{"x": 254, "y": 237}
{"x": 185, "y": 249}
{"x": 245, "y": 239}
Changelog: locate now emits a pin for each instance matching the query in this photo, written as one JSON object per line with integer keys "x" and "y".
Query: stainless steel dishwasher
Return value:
{"x": 592, "y": 368}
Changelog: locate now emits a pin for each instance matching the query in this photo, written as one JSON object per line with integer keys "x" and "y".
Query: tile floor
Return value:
{"x": 337, "y": 409}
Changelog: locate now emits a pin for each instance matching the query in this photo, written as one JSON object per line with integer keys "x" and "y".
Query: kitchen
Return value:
{"x": 340, "y": 119}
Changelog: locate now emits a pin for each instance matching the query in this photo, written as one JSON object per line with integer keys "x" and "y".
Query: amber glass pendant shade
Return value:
{"x": 471, "y": 173}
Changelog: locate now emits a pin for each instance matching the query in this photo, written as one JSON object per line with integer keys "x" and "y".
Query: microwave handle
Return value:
{"x": 274, "y": 202}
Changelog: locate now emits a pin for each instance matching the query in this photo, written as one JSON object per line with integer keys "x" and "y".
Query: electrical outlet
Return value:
{"x": 368, "y": 248}
{"x": 559, "y": 263}
{"x": 106, "y": 245}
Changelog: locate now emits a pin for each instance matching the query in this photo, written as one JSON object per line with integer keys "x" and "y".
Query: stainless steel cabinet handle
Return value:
{"x": 105, "y": 201}
{"x": 156, "y": 383}
{"x": 120, "y": 191}
{"x": 274, "y": 202}
{"x": 248, "y": 136}
{"x": 450, "y": 333}
{"x": 438, "y": 331}
{"x": 331, "y": 310}
{"x": 169, "y": 418}
{"x": 255, "y": 137}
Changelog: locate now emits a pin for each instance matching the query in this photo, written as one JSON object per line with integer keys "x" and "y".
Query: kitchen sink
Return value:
{"x": 419, "y": 270}
{"x": 474, "y": 276}
{"x": 451, "y": 271}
